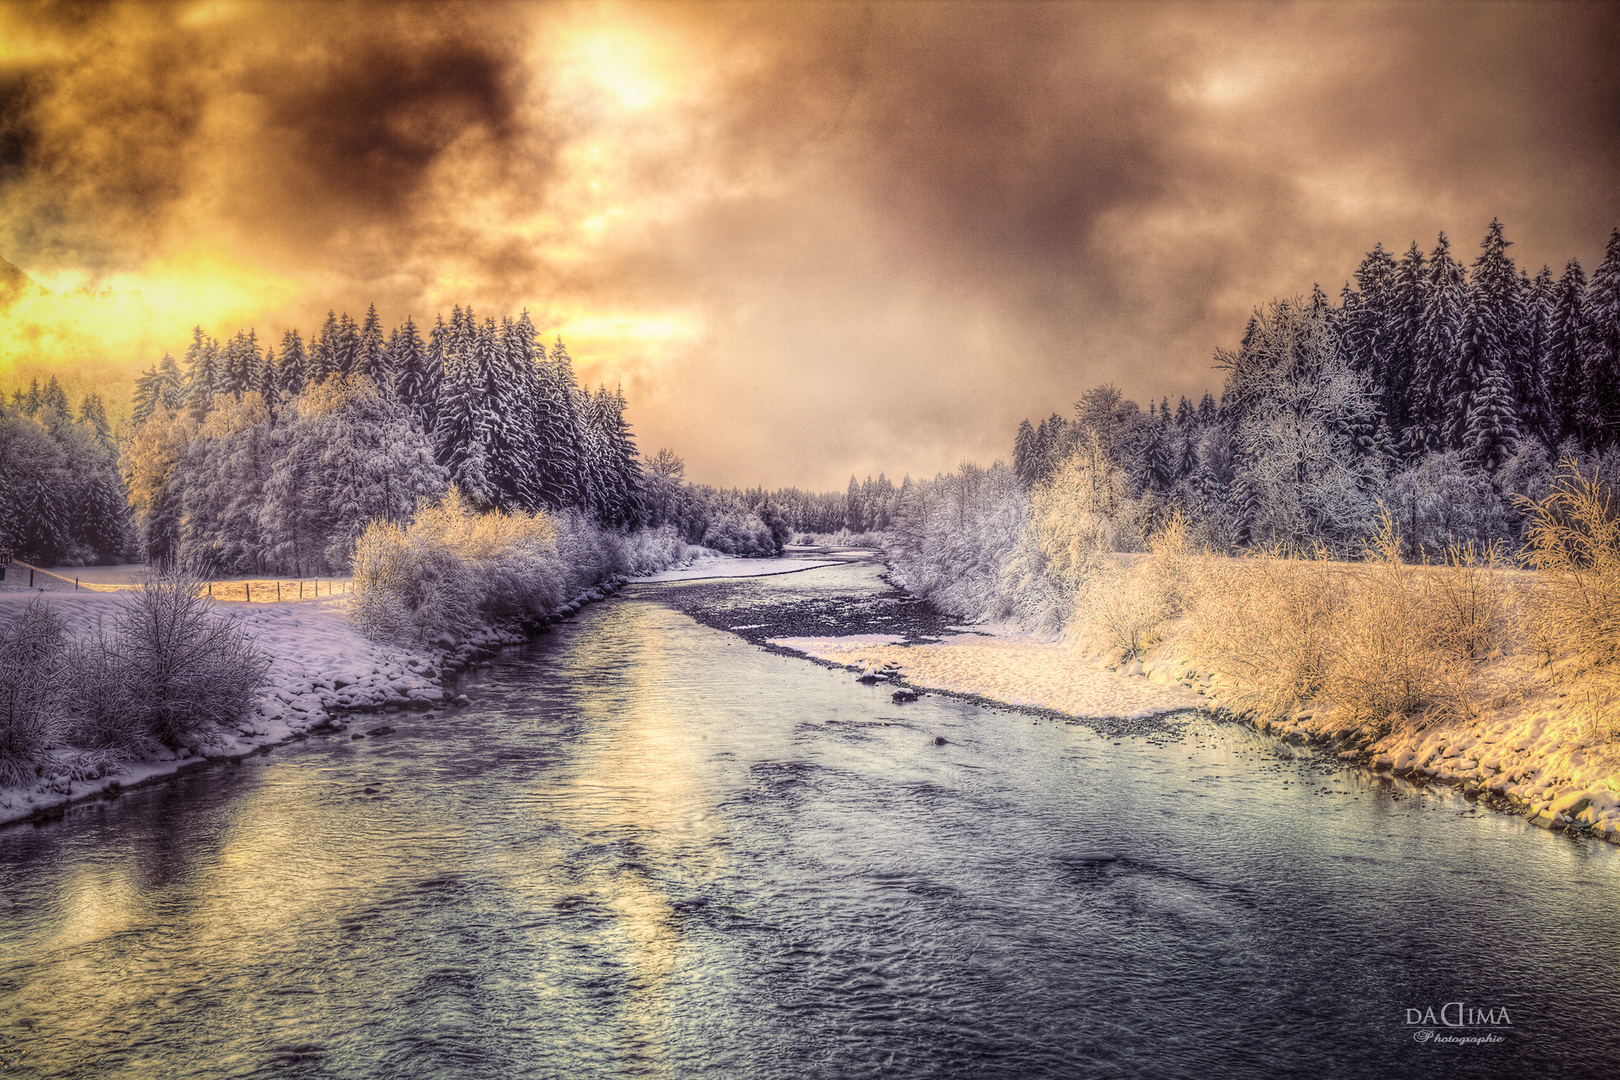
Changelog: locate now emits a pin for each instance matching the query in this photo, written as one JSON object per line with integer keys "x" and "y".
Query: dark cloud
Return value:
{"x": 896, "y": 229}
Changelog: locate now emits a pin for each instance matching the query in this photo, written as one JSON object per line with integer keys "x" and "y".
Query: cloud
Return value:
{"x": 811, "y": 239}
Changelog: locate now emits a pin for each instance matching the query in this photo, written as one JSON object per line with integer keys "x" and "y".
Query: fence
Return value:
{"x": 256, "y": 590}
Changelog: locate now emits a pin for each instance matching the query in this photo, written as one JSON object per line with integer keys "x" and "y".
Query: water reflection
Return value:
{"x": 653, "y": 850}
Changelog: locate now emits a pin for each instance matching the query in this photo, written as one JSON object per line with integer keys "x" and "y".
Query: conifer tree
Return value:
{"x": 371, "y": 359}
{"x": 1024, "y": 454}
{"x": 1486, "y": 339}
{"x": 1563, "y": 361}
{"x": 269, "y": 375}
{"x": 93, "y": 415}
{"x": 415, "y": 377}
{"x": 1399, "y": 372}
{"x": 346, "y": 349}
{"x": 1530, "y": 379}
{"x": 146, "y": 394}
{"x": 1598, "y": 408}
{"x": 292, "y": 370}
{"x": 202, "y": 372}
{"x": 461, "y": 436}
{"x": 323, "y": 359}
{"x": 1446, "y": 297}
{"x": 566, "y": 475}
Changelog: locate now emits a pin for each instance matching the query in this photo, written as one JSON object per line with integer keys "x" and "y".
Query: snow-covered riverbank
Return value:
{"x": 323, "y": 672}
{"x": 1529, "y": 749}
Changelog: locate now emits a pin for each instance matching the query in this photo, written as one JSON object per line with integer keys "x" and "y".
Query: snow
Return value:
{"x": 732, "y": 566}
{"x": 1006, "y": 666}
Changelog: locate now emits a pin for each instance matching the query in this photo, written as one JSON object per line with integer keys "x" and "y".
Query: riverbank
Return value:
{"x": 324, "y": 674}
{"x": 1531, "y": 739}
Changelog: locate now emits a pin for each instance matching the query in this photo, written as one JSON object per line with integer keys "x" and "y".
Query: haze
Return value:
{"x": 809, "y": 240}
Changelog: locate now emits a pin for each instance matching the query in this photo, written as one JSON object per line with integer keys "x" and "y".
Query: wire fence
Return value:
{"x": 19, "y": 575}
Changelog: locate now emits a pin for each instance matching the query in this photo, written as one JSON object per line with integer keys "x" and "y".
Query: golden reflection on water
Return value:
{"x": 648, "y": 766}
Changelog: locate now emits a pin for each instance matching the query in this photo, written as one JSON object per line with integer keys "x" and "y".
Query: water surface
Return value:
{"x": 653, "y": 849}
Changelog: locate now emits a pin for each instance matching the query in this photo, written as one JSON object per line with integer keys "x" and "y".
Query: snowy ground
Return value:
{"x": 729, "y": 566}
{"x": 1006, "y": 666}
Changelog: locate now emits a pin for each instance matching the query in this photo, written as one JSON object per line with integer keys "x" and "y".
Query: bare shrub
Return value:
{"x": 33, "y": 662}
{"x": 1396, "y": 652}
{"x": 1574, "y": 542}
{"x": 1123, "y": 604}
{"x": 187, "y": 671}
{"x": 1472, "y": 613}
{"x": 103, "y": 715}
{"x": 1266, "y": 624}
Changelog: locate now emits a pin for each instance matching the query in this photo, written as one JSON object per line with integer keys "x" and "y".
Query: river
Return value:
{"x": 652, "y": 849}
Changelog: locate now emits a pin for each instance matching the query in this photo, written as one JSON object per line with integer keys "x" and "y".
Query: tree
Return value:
{"x": 293, "y": 367}
{"x": 1299, "y": 466}
{"x": 1598, "y": 405}
{"x": 349, "y": 455}
{"x": 416, "y": 378}
{"x": 323, "y": 358}
{"x": 1487, "y": 338}
{"x": 464, "y": 431}
{"x": 148, "y": 465}
{"x": 371, "y": 359}
{"x": 202, "y": 372}
{"x": 1566, "y": 325}
{"x": 1529, "y": 372}
{"x": 1446, "y": 297}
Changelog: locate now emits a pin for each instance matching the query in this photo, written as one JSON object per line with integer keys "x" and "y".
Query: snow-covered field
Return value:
{"x": 731, "y": 566}
{"x": 1008, "y": 666}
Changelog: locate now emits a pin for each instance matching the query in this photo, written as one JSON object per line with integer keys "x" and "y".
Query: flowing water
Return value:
{"x": 652, "y": 849}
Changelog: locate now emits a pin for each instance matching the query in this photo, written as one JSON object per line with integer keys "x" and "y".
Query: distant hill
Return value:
{"x": 14, "y": 283}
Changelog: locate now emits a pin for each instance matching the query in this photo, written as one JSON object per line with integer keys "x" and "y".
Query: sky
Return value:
{"x": 810, "y": 240}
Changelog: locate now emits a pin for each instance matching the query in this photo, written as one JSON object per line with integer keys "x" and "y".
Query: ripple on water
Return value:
{"x": 650, "y": 849}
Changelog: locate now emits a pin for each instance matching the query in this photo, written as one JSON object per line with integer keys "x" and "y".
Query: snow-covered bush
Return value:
{"x": 1121, "y": 607}
{"x": 952, "y": 535}
{"x": 740, "y": 534}
{"x": 188, "y": 672}
{"x": 454, "y": 569}
{"x": 33, "y": 661}
{"x": 451, "y": 569}
{"x": 407, "y": 589}
{"x": 841, "y": 538}
{"x": 1443, "y": 504}
{"x": 104, "y": 718}
{"x": 652, "y": 550}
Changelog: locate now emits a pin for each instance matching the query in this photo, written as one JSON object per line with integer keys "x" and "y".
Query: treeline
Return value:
{"x": 242, "y": 461}
{"x": 758, "y": 521}
{"x": 61, "y": 499}
{"x": 1438, "y": 400}
{"x": 1437, "y": 393}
